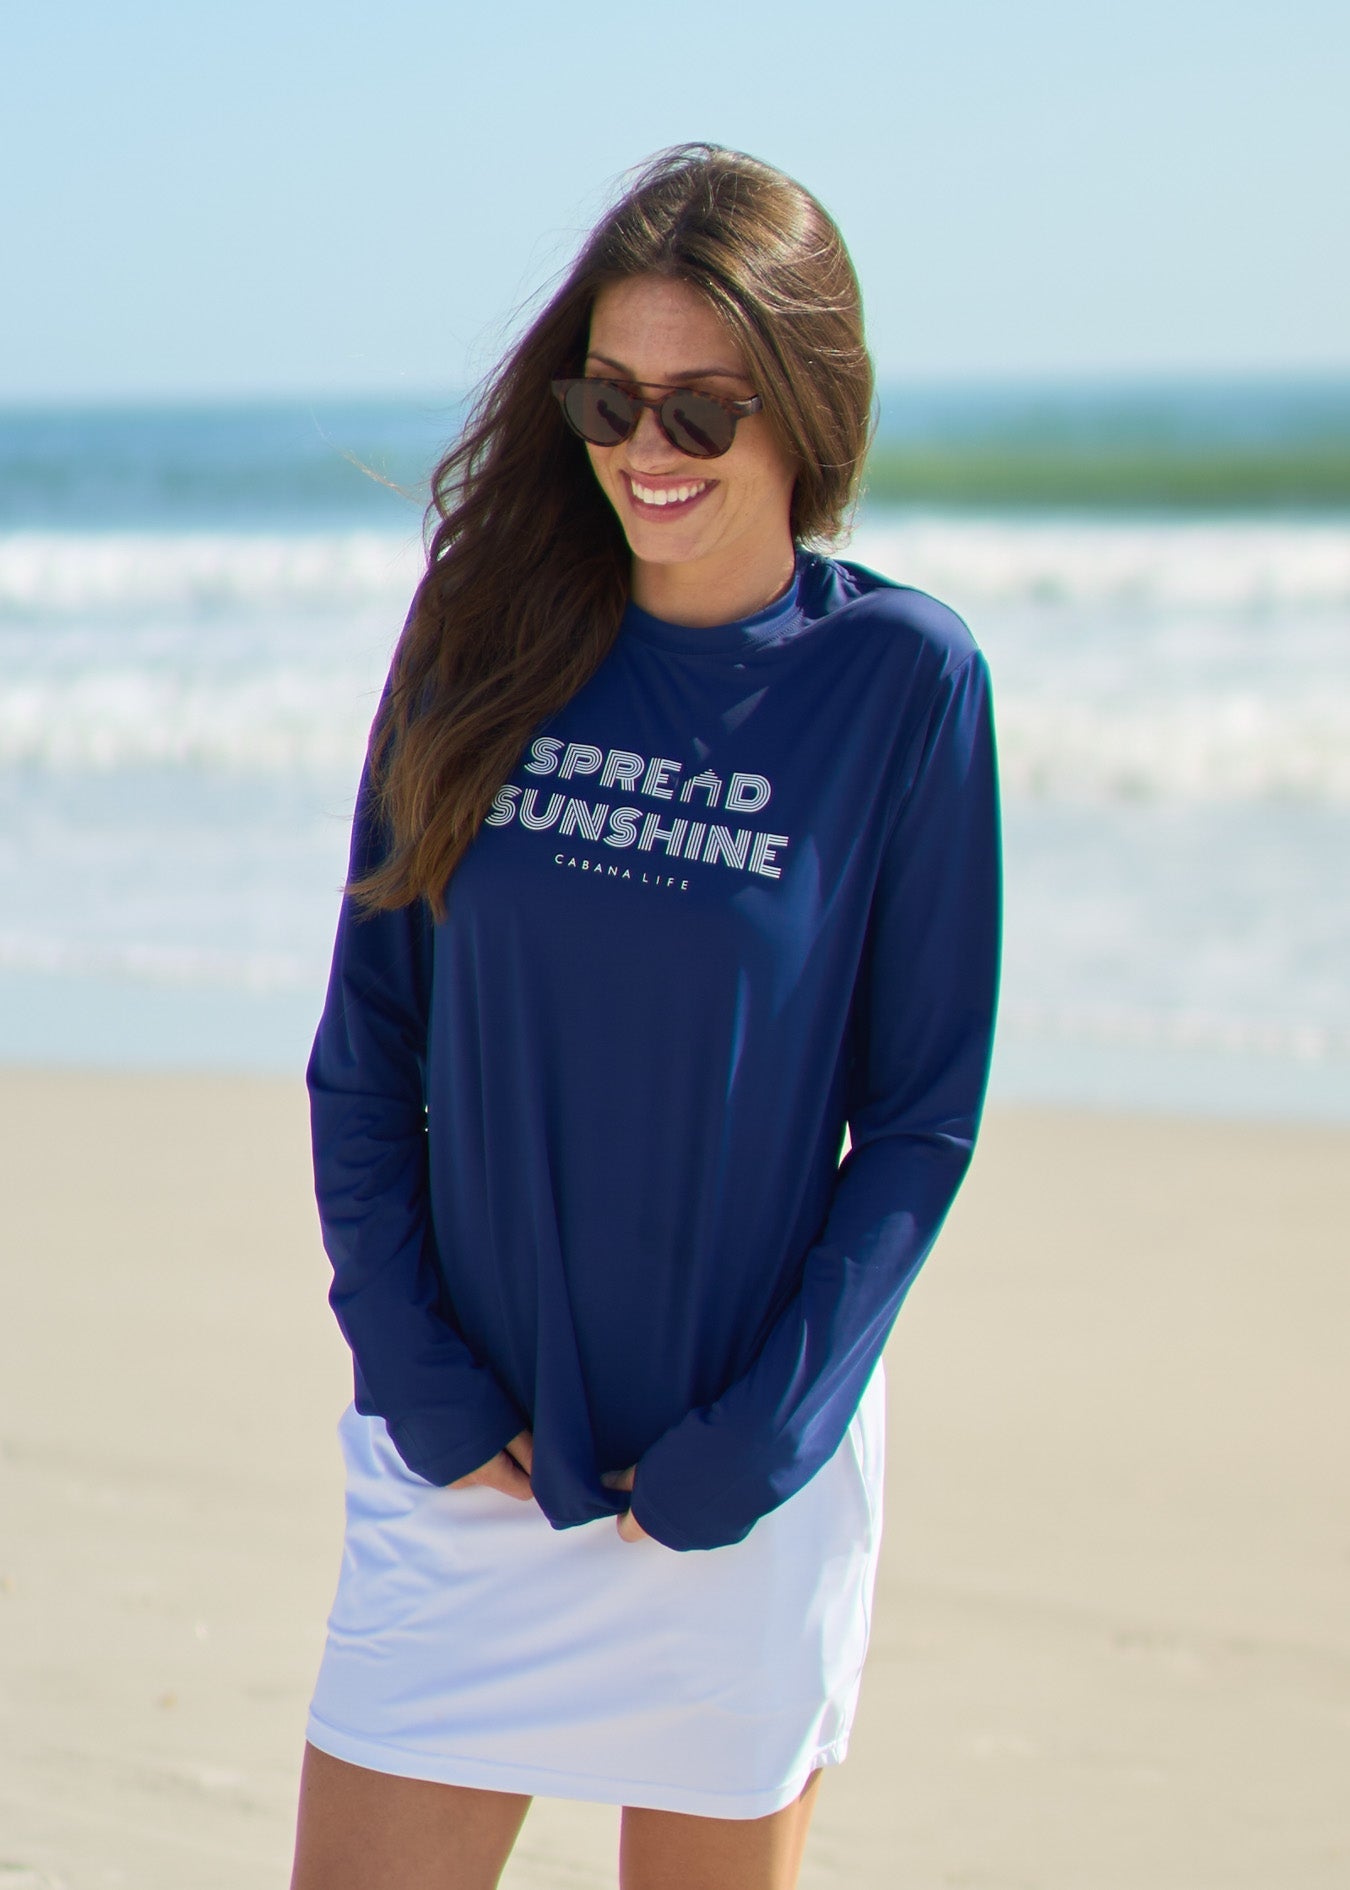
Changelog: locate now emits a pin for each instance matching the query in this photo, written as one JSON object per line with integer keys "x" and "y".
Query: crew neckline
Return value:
{"x": 762, "y": 628}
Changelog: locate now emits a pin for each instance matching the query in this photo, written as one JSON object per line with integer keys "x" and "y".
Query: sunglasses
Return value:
{"x": 603, "y": 412}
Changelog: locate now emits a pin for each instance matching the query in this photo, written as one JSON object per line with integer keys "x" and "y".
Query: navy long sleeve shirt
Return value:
{"x": 577, "y": 1147}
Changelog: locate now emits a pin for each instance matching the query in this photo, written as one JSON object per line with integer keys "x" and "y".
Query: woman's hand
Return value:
{"x": 629, "y": 1527}
{"x": 509, "y": 1471}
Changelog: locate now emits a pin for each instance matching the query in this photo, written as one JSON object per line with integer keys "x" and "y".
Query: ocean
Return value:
{"x": 197, "y": 608}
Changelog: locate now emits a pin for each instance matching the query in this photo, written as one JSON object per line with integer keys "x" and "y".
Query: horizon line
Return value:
{"x": 1103, "y": 380}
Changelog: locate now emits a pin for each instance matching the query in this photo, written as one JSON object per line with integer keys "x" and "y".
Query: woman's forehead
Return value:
{"x": 656, "y": 328}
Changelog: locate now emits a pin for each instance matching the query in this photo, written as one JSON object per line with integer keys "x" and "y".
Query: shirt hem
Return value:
{"x": 450, "y": 1768}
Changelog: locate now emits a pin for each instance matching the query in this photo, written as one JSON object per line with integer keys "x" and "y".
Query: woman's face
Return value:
{"x": 719, "y": 531}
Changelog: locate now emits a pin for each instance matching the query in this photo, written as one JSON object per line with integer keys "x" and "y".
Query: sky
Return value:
{"x": 270, "y": 197}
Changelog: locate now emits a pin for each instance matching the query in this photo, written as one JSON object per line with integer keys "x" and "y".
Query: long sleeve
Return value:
{"x": 446, "y": 1411}
{"x": 923, "y": 1016}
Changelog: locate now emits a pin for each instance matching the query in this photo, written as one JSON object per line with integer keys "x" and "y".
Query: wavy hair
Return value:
{"x": 527, "y": 566}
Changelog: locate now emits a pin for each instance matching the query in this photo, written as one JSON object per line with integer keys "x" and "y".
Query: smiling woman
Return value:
{"x": 751, "y": 292}
{"x": 616, "y": 1308}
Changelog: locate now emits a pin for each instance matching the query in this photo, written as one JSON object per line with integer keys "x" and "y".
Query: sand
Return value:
{"x": 1111, "y": 1644}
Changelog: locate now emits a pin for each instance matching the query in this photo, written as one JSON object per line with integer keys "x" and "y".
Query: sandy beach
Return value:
{"x": 1111, "y": 1644}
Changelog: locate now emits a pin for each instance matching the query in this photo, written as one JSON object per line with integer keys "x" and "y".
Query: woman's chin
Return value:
{"x": 666, "y": 545}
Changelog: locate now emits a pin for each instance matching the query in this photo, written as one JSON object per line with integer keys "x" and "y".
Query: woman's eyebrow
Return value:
{"x": 686, "y": 374}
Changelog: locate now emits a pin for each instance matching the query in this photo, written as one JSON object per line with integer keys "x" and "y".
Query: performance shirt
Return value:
{"x": 577, "y": 1147}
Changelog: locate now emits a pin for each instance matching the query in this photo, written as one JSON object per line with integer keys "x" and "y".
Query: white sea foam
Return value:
{"x": 1218, "y": 747}
{"x": 1167, "y": 660}
{"x": 257, "y": 654}
{"x": 1173, "y": 661}
{"x": 1248, "y": 565}
{"x": 278, "y": 721}
{"x": 1229, "y": 565}
{"x": 49, "y": 575}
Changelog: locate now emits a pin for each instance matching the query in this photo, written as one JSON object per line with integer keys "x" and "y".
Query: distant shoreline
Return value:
{"x": 1168, "y": 445}
{"x": 1103, "y": 479}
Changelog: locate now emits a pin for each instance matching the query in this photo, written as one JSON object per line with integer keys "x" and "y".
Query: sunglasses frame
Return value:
{"x": 736, "y": 409}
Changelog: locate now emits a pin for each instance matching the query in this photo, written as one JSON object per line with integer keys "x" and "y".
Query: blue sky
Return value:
{"x": 261, "y": 197}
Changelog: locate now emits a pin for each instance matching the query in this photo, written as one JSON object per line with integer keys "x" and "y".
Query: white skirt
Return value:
{"x": 474, "y": 1644}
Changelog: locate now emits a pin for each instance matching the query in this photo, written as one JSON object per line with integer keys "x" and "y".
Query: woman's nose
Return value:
{"x": 649, "y": 444}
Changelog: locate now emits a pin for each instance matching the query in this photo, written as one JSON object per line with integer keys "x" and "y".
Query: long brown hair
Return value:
{"x": 527, "y": 567}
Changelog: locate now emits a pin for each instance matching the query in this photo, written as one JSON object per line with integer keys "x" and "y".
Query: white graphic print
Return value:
{"x": 655, "y": 777}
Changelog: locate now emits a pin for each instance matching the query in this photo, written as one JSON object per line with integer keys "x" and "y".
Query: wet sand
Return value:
{"x": 1111, "y": 1643}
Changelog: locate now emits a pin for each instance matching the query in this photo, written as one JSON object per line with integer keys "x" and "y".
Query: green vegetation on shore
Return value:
{"x": 1275, "y": 475}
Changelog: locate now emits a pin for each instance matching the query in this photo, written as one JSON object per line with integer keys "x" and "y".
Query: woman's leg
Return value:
{"x": 672, "y": 1850}
{"x": 363, "y": 1830}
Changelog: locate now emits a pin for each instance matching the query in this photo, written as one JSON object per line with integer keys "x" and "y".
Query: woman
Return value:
{"x": 675, "y": 855}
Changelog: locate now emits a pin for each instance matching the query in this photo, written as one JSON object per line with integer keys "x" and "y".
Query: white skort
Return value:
{"x": 472, "y": 1643}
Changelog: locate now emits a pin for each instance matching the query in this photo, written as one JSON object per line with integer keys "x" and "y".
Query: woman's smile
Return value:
{"x": 665, "y": 499}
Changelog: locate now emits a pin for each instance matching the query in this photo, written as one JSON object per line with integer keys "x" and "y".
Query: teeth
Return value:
{"x": 666, "y": 495}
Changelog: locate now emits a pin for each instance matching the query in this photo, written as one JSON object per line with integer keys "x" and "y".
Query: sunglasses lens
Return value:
{"x": 698, "y": 425}
{"x": 603, "y": 413}
{"x": 600, "y": 412}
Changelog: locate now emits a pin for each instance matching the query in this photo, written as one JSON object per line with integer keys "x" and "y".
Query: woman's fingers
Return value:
{"x": 509, "y": 1471}
{"x": 629, "y": 1527}
{"x": 502, "y": 1472}
{"x": 510, "y": 1478}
